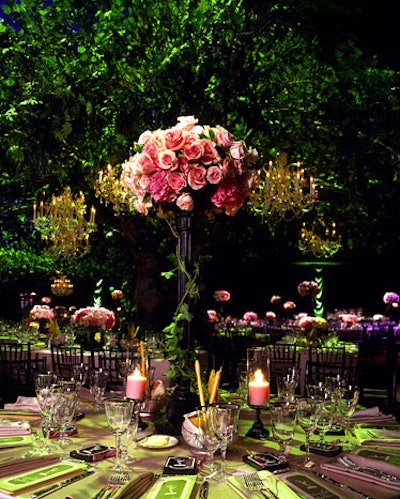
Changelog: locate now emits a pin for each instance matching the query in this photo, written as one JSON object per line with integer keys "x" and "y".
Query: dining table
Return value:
{"x": 290, "y": 482}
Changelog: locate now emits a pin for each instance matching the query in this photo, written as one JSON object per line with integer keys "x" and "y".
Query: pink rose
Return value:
{"x": 186, "y": 122}
{"x": 145, "y": 164}
{"x": 145, "y": 137}
{"x": 193, "y": 151}
{"x": 167, "y": 159}
{"x": 196, "y": 177}
{"x": 174, "y": 139}
{"x": 185, "y": 202}
{"x": 222, "y": 137}
{"x": 221, "y": 295}
{"x": 176, "y": 180}
{"x": 214, "y": 175}
{"x": 210, "y": 154}
{"x": 237, "y": 150}
{"x": 151, "y": 149}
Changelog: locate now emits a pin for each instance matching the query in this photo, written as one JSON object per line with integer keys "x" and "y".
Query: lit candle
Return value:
{"x": 136, "y": 385}
{"x": 258, "y": 389}
{"x": 34, "y": 210}
{"x": 92, "y": 214}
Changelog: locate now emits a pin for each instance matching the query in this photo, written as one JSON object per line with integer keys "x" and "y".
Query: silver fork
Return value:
{"x": 254, "y": 482}
{"x": 348, "y": 463}
{"x": 115, "y": 481}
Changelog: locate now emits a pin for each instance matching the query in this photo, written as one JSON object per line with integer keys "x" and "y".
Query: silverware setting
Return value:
{"x": 254, "y": 482}
{"x": 56, "y": 486}
{"x": 349, "y": 464}
{"x": 341, "y": 485}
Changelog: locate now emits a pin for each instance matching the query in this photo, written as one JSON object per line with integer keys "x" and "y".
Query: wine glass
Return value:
{"x": 44, "y": 388}
{"x": 347, "y": 403}
{"x": 283, "y": 422}
{"x": 79, "y": 374}
{"x": 307, "y": 418}
{"x": 224, "y": 421}
{"x": 325, "y": 420}
{"x": 98, "y": 383}
{"x": 119, "y": 415}
{"x": 208, "y": 438}
{"x": 130, "y": 435}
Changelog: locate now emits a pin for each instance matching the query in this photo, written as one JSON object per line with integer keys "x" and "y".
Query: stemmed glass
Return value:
{"x": 119, "y": 415}
{"x": 308, "y": 412}
{"x": 224, "y": 421}
{"x": 207, "y": 438}
{"x": 98, "y": 383}
{"x": 347, "y": 403}
{"x": 79, "y": 374}
{"x": 65, "y": 398}
{"x": 44, "y": 388}
{"x": 130, "y": 435}
{"x": 283, "y": 422}
{"x": 325, "y": 420}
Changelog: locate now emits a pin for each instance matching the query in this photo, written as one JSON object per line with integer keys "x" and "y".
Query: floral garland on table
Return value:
{"x": 188, "y": 162}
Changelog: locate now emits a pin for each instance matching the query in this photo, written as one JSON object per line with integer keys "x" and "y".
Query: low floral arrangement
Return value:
{"x": 41, "y": 312}
{"x": 391, "y": 298}
{"x": 99, "y": 317}
{"x": 315, "y": 328}
{"x": 190, "y": 166}
{"x": 221, "y": 295}
{"x": 250, "y": 317}
{"x": 308, "y": 288}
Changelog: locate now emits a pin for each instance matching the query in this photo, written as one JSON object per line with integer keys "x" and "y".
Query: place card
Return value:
{"x": 381, "y": 455}
{"x": 16, "y": 441}
{"x": 308, "y": 487}
{"x": 172, "y": 488}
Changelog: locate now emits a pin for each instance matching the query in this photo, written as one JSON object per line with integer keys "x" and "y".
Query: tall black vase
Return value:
{"x": 184, "y": 225}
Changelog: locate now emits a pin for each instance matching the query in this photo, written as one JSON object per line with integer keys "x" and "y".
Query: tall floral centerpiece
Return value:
{"x": 92, "y": 323}
{"x": 187, "y": 169}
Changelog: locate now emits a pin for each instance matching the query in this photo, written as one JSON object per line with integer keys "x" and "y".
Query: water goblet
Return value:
{"x": 347, "y": 403}
{"x": 119, "y": 414}
{"x": 224, "y": 421}
{"x": 130, "y": 435}
{"x": 65, "y": 404}
{"x": 208, "y": 439}
{"x": 307, "y": 418}
{"x": 98, "y": 383}
{"x": 325, "y": 421}
{"x": 44, "y": 387}
{"x": 283, "y": 423}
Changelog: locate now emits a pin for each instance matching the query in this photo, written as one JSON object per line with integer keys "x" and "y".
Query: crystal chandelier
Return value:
{"x": 63, "y": 225}
{"x": 61, "y": 286}
{"x": 282, "y": 191}
{"x": 320, "y": 239}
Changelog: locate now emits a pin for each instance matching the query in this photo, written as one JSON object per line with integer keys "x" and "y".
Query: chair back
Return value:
{"x": 15, "y": 370}
{"x": 64, "y": 358}
{"x": 117, "y": 363}
{"x": 325, "y": 362}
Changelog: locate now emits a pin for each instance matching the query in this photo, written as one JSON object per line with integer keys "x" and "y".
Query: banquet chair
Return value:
{"x": 15, "y": 370}
{"x": 282, "y": 357}
{"x": 64, "y": 358}
{"x": 324, "y": 362}
{"x": 114, "y": 361}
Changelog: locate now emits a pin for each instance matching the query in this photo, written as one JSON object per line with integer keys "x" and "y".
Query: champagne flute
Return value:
{"x": 307, "y": 418}
{"x": 207, "y": 438}
{"x": 130, "y": 435}
{"x": 283, "y": 422}
{"x": 98, "y": 383}
{"x": 347, "y": 403}
{"x": 79, "y": 374}
{"x": 119, "y": 415}
{"x": 44, "y": 386}
{"x": 224, "y": 420}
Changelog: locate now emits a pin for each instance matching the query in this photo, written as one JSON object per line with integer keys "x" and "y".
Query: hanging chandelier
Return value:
{"x": 320, "y": 239}
{"x": 282, "y": 191}
{"x": 61, "y": 286}
{"x": 62, "y": 224}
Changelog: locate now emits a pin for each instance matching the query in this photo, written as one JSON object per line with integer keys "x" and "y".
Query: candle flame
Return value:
{"x": 259, "y": 376}
{"x": 137, "y": 372}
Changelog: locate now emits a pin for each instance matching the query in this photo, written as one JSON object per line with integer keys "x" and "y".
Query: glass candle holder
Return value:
{"x": 258, "y": 387}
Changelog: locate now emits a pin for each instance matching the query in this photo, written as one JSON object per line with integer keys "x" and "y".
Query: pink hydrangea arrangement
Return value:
{"x": 308, "y": 288}
{"x": 42, "y": 312}
{"x": 221, "y": 295}
{"x": 94, "y": 317}
{"x": 180, "y": 165}
{"x": 313, "y": 327}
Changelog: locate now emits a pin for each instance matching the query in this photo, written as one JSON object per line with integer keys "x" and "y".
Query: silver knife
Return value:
{"x": 51, "y": 488}
{"x": 204, "y": 490}
{"x": 341, "y": 485}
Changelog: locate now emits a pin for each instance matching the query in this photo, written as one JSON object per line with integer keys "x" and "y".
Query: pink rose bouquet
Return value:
{"x": 270, "y": 315}
{"x": 187, "y": 162}
{"x": 42, "y": 312}
{"x": 94, "y": 317}
{"x": 308, "y": 288}
{"x": 221, "y": 295}
{"x": 250, "y": 317}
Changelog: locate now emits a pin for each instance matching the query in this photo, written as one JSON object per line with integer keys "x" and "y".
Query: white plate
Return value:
{"x": 158, "y": 442}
